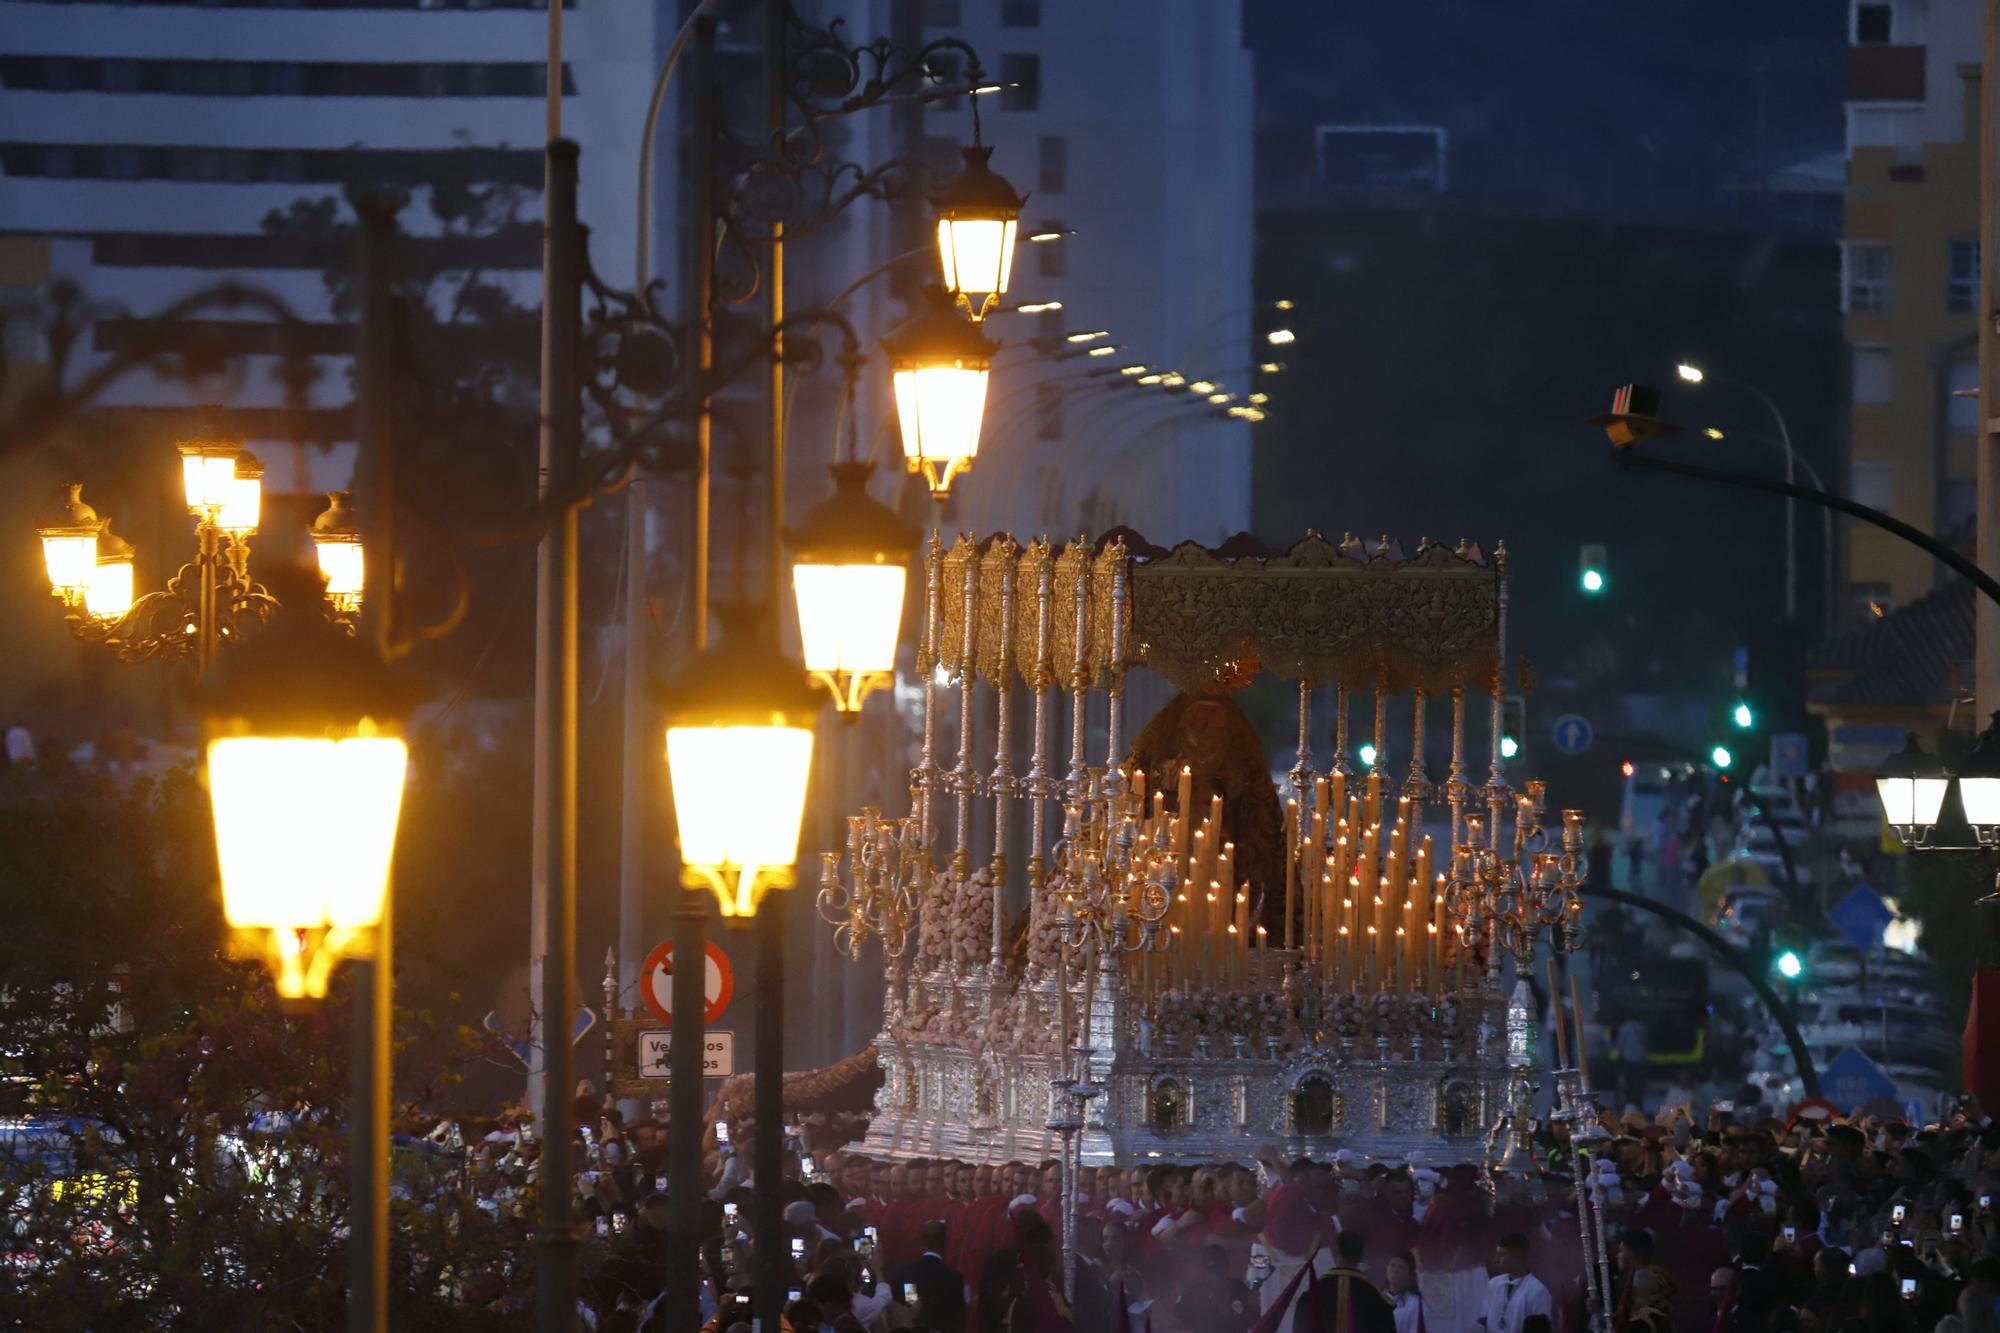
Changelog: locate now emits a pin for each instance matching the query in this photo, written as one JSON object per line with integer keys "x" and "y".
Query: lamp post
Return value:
{"x": 305, "y": 772}
{"x": 739, "y": 753}
{"x": 209, "y": 601}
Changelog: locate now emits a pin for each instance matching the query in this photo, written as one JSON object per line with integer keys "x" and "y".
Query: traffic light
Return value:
{"x": 1367, "y": 754}
{"x": 1513, "y": 724}
{"x": 1743, "y": 715}
{"x": 1789, "y": 965}
{"x": 1591, "y": 576}
{"x": 1721, "y": 757}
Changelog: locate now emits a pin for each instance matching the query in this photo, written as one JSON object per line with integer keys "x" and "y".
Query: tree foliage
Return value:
{"x": 177, "y": 1147}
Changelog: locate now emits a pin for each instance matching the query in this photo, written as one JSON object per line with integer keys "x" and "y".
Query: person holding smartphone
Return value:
{"x": 939, "y": 1288}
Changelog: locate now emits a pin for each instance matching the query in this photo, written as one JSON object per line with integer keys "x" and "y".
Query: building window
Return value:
{"x": 1020, "y": 13}
{"x": 1048, "y": 410}
{"x": 1873, "y": 374}
{"x": 1873, "y": 483}
{"x": 941, "y": 13}
{"x": 1021, "y": 83}
{"x": 1864, "y": 279}
{"x": 1875, "y": 125}
{"x": 1962, "y": 282}
{"x": 1958, "y": 506}
{"x": 1874, "y": 23}
{"x": 1052, "y": 175}
{"x": 1051, "y": 257}
{"x": 1961, "y": 404}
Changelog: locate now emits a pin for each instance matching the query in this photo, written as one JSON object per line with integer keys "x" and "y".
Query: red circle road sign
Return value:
{"x": 656, "y": 982}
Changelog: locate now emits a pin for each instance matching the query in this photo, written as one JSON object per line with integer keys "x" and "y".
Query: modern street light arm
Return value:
{"x": 1735, "y": 958}
{"x": 1938, "y": 550}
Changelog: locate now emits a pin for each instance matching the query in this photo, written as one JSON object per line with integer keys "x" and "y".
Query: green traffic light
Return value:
{"x": 1367, "y": 754}
{"x": 1721, "y": 757}
{"x": 1790, "y": 966}
{"x": 1593, "y": 580}
{"x": 1744, "y": 718}
{"x": 1509, "y": 747}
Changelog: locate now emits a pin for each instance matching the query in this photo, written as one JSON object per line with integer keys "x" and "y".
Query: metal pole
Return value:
{"x": 637, "y": 744}
{"x": 1988, "y": 457}
{"x": 700, "y": 180}
{"x": 767, "y": 1163}
{"x": 374, "y": 978}
{"x": 684, "y": 1173}
{"x": 1942, "y": 552}
{"x": 562, "y": 315}
{"x": 775, "y": 14}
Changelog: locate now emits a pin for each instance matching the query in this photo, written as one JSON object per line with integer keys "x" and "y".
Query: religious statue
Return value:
{"x": 1209, "y": 735}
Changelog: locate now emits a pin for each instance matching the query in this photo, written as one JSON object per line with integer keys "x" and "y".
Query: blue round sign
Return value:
{"x": 1571, "y": 733}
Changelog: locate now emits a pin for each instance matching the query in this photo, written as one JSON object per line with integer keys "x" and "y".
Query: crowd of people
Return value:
{"x": 1821, "y": 1224}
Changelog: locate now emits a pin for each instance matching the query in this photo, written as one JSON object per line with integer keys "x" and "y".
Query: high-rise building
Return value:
{"x": 166, "y": 145}
{"x": 1909, "y": 285}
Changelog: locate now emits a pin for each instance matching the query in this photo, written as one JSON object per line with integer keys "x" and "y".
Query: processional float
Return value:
{"x": 1189, "y": 961}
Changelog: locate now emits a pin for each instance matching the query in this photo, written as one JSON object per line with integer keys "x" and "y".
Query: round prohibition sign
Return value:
{"x": 657, "y": 982}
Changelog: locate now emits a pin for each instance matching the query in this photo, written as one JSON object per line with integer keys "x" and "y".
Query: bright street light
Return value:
{"x": 849, "y": 567}
{"x": 739, "y": 753}
{"x": 1691, "y": 373}
{"x": 1721, "y": 757}
{"x": 978, "y": 214}
{"x": 939, "y": 365}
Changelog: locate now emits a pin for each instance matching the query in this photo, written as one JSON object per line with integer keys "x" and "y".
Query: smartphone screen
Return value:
{"x": 1852, "y": 1271}
{"x": 722, "y": 1131}
{"x": 791, "y": 1294}
{"x": 1957, "y": 1223}
{"x": 909, "y": 1293}
{"x": 603, "y": 1227}
{"x": 1896, "y": 1214}
{"x": 729, "y": 1212}
{"x": 806, "y": 1165}
{"x": 1909, "y": 1288}
{"x": 868, "y": 1234}
{"x": 660, "y": 1184}
{"x": 1791, "y": 1233}
{"x": 798, "y": 1247}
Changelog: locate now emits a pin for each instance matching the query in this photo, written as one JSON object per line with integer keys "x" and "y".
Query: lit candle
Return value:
{"x": 1368, "y": 973}
{"x": 1431, "y": 969}
{"x": 1235, "y": 954}
{"x": 1291, "y": 865}
{"x": 1402, "y": 960}
{"x": 1184, "y": 794}
{"x": 1337, "y": 797}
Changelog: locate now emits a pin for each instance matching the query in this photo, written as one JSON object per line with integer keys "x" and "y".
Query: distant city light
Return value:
{"x": 1626, "y": 768}
{"x": 1282, "y": 304}
{"x": 1711, "y": 432}
{"x": 1280, "y": 337}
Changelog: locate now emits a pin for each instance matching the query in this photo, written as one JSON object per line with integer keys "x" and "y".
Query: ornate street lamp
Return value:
{"x": 849, "y": 566}
{"x": 208, "y": 475}
{"x": 1912, "y": 784}
{"x": 337, "y": 541}
{"x": 109, "y": 595}
{"x": 978, "y": 216}
{"x": 305, "y": 776}
{"x": 70, "y": 529}
{"x": 939, "y": 365}
{"x": 1978, "y": 781}
{"x": 242, "y": 499}
{"x": 739, "y": 753}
